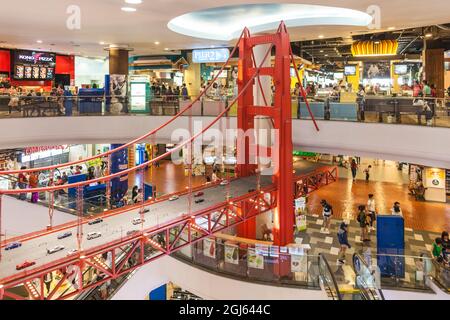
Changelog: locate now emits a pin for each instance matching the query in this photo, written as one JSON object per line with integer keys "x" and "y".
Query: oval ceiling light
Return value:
{"x": 128, "y": 9}
{"x": 133, "y": 1}
{"x": 226, "y": 23}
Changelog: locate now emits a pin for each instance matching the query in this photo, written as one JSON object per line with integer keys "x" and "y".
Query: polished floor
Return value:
{"x": 344, "y": 195}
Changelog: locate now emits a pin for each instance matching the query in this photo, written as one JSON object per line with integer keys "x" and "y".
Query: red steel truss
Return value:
{"x": 131, "y": 252}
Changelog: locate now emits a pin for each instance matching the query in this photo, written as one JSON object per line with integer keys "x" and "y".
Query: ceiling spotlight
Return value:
{"x": 39, "y": 41}
{"x": 321, "y": 51}
{"x": 156, "y": 42}
{"x": 102, "y": 43}
{"x": 428, "y": 35}
{"x": 166, "y": 49}
{"x": 133, "y": 1}
{"x": 321, "y": 36}
{"x": 391, "y": 28}
{"x": 128, "y": 9}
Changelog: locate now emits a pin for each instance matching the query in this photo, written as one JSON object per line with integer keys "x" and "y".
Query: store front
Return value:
{"x": 33, "y": 70}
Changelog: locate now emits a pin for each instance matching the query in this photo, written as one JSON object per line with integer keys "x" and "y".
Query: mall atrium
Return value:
{"x": 224, "y": 150}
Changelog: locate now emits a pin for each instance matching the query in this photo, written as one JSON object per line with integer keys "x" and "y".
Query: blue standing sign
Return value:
{"x": 391, "y": 246}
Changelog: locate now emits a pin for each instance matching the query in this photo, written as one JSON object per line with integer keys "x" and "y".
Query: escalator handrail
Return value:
{"x": 321, "y": 256}
{"x": 367, "y": 266}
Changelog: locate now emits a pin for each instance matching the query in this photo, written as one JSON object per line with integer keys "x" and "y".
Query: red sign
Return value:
{"x": 31, "y": 150}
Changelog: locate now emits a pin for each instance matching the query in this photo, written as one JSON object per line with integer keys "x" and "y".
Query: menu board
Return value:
{"x": 32, "y": 65}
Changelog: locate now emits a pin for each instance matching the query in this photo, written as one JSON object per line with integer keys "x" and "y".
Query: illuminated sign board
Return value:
{"x": 210, "y": 55}
{"x": 32, "y": 65}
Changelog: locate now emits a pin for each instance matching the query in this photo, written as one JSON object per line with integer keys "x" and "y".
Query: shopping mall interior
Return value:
{"x": 295, "y": 151}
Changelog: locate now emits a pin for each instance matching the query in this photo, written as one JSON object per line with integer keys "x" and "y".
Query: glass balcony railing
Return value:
{"x": 371, "y": 109}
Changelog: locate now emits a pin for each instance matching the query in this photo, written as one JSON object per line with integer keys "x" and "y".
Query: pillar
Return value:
{"x": 118, "y": 60}
{"x": 192, "y": 77}
{"x": 434, "y": 69}
{"x": 263, "y": 126}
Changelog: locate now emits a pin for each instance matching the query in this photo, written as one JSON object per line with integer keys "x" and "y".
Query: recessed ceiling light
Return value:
{"x": 133, "y": 1}
{"x": 156, "y": 42}
{"x": 39, "y": 41}
{"x": 128, "y": 9}
{"x": 391, "y": 28}
{"x": 321, "y": 51}
{"x": 166, "y": 49}
{"x": 428, "y": 35}
{"x": 321, "y": 36}
{"x": 102, "y": 43}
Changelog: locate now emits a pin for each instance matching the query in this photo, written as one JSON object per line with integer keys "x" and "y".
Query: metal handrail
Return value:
{"x": 327, "y": 265}
{"x": 368, "y": 267}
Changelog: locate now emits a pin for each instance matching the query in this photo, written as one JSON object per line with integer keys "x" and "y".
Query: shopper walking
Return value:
{"x": 396, "y": 210}
{"x": 327, "y": 212}
{"x": 371, "y": 208}
{"x": 23, "y": 180}
{"x": 362, "y": 220}
{"x": 33, "y": 183}
{"x": 354, "y": 168}
{"x": 184, "y": 92}
{"x": 367, "y": 172}
{"x": 343, "y": 241}
{"x": 134, "y": 194}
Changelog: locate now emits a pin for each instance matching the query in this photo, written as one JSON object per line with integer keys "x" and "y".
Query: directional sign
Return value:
{"x": 210, "y": 55}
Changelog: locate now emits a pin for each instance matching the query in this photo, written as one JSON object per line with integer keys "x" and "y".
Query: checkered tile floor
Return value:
{"x": 416, "y": 243}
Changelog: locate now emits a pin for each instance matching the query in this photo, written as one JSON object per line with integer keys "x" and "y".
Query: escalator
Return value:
{"x": 366, "y": 279}
{"x": 344, "y": 282}
{"x": 327, "y": 279}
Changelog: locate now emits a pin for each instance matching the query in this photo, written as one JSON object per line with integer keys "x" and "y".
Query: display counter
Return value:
{"x": 343, "y": 111}
{"x": 317, "y": 109}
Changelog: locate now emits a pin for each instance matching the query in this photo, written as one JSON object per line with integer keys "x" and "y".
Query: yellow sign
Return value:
{"x": 435, "y": 178}
{"x": 348, "y": 97}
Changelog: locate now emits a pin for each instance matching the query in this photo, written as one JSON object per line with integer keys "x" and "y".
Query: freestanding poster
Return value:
{"x": 118, "y": 91}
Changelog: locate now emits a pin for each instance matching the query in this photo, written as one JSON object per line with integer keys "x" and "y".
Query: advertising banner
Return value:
{"x": 209, "y": 248}
{"x": 231, "y": 254}
{"x": 118, "y": 92}
{"x": 299, "y": 263}
{"x": 377, "y": 70}
{"x": 254, "y": 260}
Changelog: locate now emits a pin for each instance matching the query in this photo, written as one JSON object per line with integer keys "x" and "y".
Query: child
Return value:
{"x": 367, "y": 172}
{"x": 327, "y": 212}
{"x": 437, "y": 250}
{"x": 343, "y": 241}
